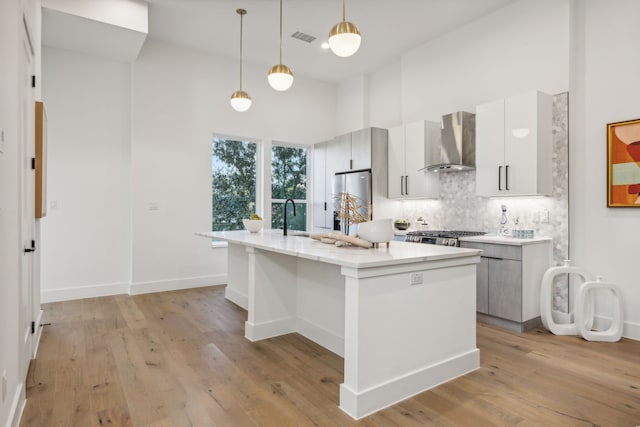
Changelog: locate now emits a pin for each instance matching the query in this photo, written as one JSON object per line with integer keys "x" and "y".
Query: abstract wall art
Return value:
{"x": 623, "y": 162}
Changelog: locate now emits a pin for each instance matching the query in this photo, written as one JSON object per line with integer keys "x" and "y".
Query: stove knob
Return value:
{"x": 452, "y": 242}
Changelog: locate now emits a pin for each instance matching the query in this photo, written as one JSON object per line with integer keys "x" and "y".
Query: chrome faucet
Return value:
{"x": 284, "y": 231}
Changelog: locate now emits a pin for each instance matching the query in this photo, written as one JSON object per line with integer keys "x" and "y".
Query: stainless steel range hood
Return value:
{"x": 457, "y": 144}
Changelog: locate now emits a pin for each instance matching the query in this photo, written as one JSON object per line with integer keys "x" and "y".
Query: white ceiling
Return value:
{"x": 389, "y": 28}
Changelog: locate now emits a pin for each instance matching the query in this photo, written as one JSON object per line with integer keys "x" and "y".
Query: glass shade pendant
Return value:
{"x": 344, "y": 37}
{"x": 280, "y": 76}
{"x": 240, "y": 100}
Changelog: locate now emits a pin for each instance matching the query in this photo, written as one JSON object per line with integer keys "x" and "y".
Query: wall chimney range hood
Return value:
{"x": 457, "y": 144}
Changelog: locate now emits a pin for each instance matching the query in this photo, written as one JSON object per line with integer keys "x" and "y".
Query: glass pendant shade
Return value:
{"x": 280, "y": 77}
{"x": 344, "y": 39}
{"x": 240, "y": 101}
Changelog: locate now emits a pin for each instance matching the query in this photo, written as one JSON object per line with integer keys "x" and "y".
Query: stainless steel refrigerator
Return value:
{"x": 352, "y": 194}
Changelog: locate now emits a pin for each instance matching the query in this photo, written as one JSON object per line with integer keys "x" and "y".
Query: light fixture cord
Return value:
{"x": 280, "y": 31}
{"x": 241, "y": 51}
{"x": 344, "y": 10}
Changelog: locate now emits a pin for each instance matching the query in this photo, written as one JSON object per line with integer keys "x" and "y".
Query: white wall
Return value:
{"x": 181, "y": 98}
{"x": 86, "y": 235}
{"x": 130, "y": 163}
{"x": 385, "y": 97}
{"x": 513, "y": 50}
{"x": 605, "y": 80}
{"x": 350, "y": 109}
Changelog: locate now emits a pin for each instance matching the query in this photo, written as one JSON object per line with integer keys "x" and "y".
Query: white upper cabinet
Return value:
{"x": 513, "y": 146}
{"x": 410, "y": 148}
{"x": 321, "y": 185}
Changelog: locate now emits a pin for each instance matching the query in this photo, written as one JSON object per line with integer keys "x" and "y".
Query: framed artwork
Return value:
{"x": 623, "y": 163}
{"x": 41, "y": 160}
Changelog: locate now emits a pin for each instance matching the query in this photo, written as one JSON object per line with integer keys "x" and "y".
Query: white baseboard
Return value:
{"x": 17, "y": 406}
{"x": 273, "y": 328}
{"x": 325, "y": 338}
{"x": 80, "y": 292}
{"x": 631, "y": 330}
{"x": 176, "y": 284}
{"x": 236, "y": 297}
{"x": 365, "y": 402}
{"x": 92, "y": 291}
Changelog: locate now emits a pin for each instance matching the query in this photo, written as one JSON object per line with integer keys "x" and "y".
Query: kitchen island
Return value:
{"x": 403, "y": 318}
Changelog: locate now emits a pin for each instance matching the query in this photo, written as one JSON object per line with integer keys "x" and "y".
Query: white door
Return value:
{"x": 27, "y": 196}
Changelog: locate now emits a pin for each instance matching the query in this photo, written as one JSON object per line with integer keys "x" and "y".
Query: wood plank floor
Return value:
{"x": 180, "y": 359}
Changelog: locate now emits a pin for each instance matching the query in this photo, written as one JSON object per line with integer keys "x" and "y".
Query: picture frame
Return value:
{"x": 623, "y": 164}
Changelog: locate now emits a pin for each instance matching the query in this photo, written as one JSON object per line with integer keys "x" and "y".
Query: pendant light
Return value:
{"x": 344, "y": 37}
{"x": 240, "y": 100}
{"x": 280, "y": 76}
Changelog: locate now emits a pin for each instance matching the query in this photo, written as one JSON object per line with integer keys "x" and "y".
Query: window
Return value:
{"x": 289, "y": 181}
{"x": 233, "y": 166}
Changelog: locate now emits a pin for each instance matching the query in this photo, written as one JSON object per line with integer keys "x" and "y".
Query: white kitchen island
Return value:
{"x": 403, "y": 317}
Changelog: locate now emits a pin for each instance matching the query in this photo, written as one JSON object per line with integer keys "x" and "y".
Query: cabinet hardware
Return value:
{"x": 499, "y": 178}
{"x": 406, "y": 185}
{"x": 506, "y": 177}
{"x": 351, "y": 164}
{"x": 325, "y": 206}
{"x": 32, "y": 248}
{"x": 33, "y": 163}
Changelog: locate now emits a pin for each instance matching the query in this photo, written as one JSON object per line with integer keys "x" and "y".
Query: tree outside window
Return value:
{"x": 233, "y": 165}
{"x": 289, "y": 181}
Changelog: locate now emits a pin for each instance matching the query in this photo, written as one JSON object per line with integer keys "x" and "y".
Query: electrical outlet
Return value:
{"x": 4, "y": 386}
{"x": 544, "y": 216}
{"x": 417, "y": 278}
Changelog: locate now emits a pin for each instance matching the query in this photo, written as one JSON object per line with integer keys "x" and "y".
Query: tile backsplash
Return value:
{"x": 460, "y": 208}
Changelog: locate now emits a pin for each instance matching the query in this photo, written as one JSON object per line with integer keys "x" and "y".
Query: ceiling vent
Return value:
{"x": 302, "y": 36}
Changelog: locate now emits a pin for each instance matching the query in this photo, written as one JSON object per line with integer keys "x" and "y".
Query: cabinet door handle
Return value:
{"x": 402, "y": 185}
{"x": 499, "y": 178}
{"x": 325, "y": 206}
{"x": 406, "y": 185}
{"x": 506, "y": 177}
{"x": 351, "y": 164}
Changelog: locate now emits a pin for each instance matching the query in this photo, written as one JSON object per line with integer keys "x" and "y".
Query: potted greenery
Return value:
{"x": 253, "y": 223}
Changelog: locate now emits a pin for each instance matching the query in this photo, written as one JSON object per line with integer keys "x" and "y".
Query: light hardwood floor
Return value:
{"x": 180, "y": 359}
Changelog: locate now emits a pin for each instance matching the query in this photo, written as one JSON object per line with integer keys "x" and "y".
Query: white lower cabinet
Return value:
{"x": 508, "y": 282}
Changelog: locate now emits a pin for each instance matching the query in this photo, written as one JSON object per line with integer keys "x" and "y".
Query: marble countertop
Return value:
{"x": 347, "y": 256}
{"x": 502, "y": 240}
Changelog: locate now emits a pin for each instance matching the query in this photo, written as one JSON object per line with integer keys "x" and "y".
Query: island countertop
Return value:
{"x": 347, "y": 256}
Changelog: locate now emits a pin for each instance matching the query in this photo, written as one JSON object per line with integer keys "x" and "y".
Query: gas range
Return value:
{"x": 440, "y": 237}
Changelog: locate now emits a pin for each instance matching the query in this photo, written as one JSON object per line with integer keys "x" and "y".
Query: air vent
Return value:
{"x": 304, "y": 37}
